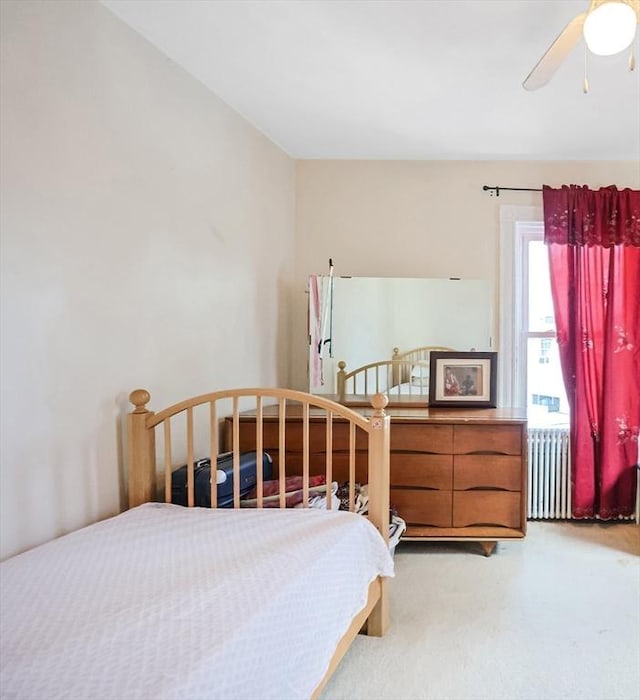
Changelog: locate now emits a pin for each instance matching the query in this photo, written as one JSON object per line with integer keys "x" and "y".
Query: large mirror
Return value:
{"x": 360, "y": 320}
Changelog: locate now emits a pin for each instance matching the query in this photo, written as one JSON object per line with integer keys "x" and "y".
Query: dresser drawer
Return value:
{"x": 501, "y": 439}
{"x": 486, "y": 508}
{"x": 487, "y": 471}
{"x": 426, "y": 471}
{"x": 416, "y": 437}
{"x": 423, "y": 507}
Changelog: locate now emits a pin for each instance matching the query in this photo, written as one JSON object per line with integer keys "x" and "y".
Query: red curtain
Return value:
{"x": 593, "y": 240}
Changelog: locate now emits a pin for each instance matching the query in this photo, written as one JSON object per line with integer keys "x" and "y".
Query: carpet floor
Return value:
{"x": 555, "y": 616}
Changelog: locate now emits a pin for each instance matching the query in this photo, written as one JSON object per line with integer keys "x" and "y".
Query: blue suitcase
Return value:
{"x": 202, "y": 479}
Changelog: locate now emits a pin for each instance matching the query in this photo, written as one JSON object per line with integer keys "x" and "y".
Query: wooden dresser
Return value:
{"x": 456, "y": 474}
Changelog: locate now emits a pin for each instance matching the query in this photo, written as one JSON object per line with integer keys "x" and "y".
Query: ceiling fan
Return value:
{"x": 608, "y": 27}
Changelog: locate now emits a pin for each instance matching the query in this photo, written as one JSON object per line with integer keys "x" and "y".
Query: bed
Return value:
{"x": 166, "y": 601}
{"x": 404, "y": 379}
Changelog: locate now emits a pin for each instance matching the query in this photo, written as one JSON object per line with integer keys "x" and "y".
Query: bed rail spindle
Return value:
{"x": 166, "y": 424}
{"x": 214, "y": 443}
{"x": 191, "y": 489}
{"x": 259, "y": 450}
{"x": 352, "y": 467}
{"x": 282, "y": 415}
{"x": 305, "y": 455}
{"x": 329, "y": 463}
{"x": 236, "y": 453}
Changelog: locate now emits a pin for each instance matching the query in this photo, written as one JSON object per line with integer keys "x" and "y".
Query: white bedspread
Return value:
{"x": 408, "y": 388}
{"x": 170, "y": 602}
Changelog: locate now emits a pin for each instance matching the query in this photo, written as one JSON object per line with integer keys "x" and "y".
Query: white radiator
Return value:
{"x": 549, "y": 474}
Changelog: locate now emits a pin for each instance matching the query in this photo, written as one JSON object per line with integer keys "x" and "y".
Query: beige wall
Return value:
{"x": 147, "y": 240}
{"x": 415, "y": 219}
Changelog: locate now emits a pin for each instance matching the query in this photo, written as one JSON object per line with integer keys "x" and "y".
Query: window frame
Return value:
{"x": 518, "y": 226}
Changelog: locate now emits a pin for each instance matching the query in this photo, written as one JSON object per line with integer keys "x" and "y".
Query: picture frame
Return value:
{"x": 463, "y": 379}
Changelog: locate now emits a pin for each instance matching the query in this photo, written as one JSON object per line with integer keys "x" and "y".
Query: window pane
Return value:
{"x": 546, "y": 397}
{"x": 540, "y": 302}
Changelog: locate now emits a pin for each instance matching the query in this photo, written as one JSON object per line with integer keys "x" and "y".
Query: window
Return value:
{"x": 530, "y": 359}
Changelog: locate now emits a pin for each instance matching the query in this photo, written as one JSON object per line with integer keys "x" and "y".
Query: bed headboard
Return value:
{"x": 388, "y": 376}
{"x": 412, "y": 357}
{"x": 367, "y": 380}
{"x": 147, "y": 429}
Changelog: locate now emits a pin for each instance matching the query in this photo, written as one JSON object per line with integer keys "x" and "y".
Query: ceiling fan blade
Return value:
{"x": 555, "y": 55}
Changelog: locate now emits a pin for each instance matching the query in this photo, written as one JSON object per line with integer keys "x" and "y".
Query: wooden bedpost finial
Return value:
{"x": 379, "y": 402}
{"x": 340, "y": 380}
{"x": 139, "y": 398}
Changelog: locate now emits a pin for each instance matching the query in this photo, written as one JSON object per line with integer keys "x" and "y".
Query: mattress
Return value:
{"x": 170, "y": 602}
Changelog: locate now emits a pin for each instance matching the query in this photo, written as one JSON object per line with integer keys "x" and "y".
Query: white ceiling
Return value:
{"x": 417, "y": 79}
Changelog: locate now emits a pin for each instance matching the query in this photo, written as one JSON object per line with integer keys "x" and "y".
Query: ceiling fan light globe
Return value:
{"x": 610, "y": 28}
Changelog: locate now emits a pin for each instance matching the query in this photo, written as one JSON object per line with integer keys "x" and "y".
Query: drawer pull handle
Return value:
{"x": 412, "y": 487}
{"x": 487, "y": 488}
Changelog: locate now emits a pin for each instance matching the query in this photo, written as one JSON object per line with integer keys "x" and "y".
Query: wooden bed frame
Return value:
{"x": 380, "y": 376}
{"x": 143, "y": 479}
{"x": 416, "y": 355}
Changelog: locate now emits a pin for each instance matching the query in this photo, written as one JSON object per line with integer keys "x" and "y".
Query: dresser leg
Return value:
{"x": 488, "y": 548}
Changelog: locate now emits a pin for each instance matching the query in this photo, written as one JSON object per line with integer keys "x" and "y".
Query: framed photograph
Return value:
{"x": 465, "y": 379}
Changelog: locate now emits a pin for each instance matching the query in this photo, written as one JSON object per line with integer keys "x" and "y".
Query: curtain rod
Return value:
{"x": 497, "y": 189}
